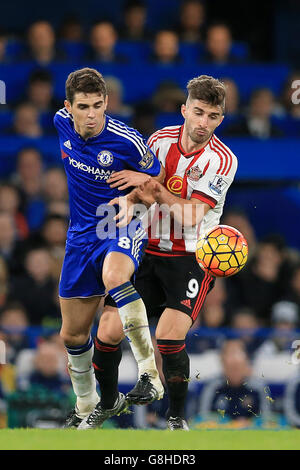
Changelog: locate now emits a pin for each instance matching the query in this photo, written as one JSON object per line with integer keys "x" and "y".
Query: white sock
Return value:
{"x": 83, "y": 378}
{"x": 136, "y": 328}
{"x": 133, "y": 315}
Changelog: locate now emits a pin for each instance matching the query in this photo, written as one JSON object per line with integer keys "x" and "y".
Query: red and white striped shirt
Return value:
{"x": 205, "y": 175}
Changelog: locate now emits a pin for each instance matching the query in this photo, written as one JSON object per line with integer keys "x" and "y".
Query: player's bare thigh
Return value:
{"x": 77, "y": 319}
{"x": 173, "y": 324}
{"x": 117, "y": 269}
{"x": 110, "y": 328}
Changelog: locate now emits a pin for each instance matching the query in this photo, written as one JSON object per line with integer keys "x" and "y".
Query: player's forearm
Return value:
{"x": 184, "y": 211}
{"x": 160, "y": 178}
{"x": 134, "y": 195}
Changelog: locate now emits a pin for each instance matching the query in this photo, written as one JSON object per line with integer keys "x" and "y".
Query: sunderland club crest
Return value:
{"x": 194, "y": 173}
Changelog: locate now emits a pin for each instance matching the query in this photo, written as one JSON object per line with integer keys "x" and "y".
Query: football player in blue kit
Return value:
{"x": 101, "y": 257}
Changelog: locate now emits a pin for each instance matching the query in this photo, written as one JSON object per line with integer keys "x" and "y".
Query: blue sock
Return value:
{"x": 124, "y": 294}
{"x": 76, "y": 350}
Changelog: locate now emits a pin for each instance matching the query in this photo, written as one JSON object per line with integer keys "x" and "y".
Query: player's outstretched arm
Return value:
{"x": 127, "y": 178}
{"x": 126, "y": 210}
{"x": 186, "y": 211}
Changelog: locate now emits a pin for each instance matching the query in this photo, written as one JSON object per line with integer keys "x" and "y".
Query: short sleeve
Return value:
{"x": 153, "y": 143}
{"x": 62, "y": 120}
{"x": 143, "y": 160}
{"x": 56, "y": 121}
{"x": 213, "y": 185}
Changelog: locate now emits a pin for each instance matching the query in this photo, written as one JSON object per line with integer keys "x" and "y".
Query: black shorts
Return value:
{"x": 171, "y": 281}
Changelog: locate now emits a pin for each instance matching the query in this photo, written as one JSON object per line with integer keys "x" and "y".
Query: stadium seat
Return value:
{"x": 6, "y": 120}
{"x": 141, "y": 80}
{"x": 11, "y": 145}
{"x": 190, "y": 53}
{"x": 46, "y": 121}
{"x": 14, "y": 49}
{"x": 75, "y": 51}
{"x": 15, "y": 77}
{"x": 260, "y": 160}
{"x": 134, "y": 50}
{"x": 229, "y": 119}
{"x": 266, "y": 159}
{"x": 168, "y": 119}
{"x": 240, "y": 50}
{"x": 290, "y": 126}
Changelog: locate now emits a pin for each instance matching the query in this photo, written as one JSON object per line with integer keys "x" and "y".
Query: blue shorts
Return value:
{"x": 81, "y": 274}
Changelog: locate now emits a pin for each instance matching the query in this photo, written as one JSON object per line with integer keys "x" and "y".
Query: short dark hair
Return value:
{"x": 130, "y": 4}
{"x": 40, "y": 75}
{"x": 276, "y": 240}
{"x": 56, "y": 217}
{"x": 24, "y": 150}
{"x": 12, "y": 305}
{"x": 85, "y": 80}
{"x": 207, "y": 89}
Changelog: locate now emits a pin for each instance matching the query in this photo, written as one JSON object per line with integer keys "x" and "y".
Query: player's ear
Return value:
{"x": 68, "y": 105}
{"x": 105, "y": 102}
{"x": 221, "y": 120}
{"x": 183, "y": 110}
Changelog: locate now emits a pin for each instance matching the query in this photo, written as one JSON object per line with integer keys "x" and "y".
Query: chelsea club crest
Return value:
{"x": 105, "y": 158}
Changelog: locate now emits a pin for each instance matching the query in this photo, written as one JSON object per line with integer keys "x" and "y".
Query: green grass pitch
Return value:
{"x": 117, "y": 439}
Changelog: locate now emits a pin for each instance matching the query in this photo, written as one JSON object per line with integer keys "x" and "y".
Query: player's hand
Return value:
{"x": 126, "y": 178}
{"x": 126, "y": 210}
{"x": 149, "y": 191}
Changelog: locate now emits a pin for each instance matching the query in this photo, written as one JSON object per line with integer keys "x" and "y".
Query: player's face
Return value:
{"x": 201, "y": 120}
{"x": 87, "y": 110}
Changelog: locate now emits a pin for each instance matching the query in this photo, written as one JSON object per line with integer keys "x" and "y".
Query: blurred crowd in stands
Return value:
{"x": 34, "y": 215}
{"x": 263, "y": 113}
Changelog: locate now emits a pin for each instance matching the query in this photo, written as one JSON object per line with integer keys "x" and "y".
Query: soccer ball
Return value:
{"x": 223, "y": 251}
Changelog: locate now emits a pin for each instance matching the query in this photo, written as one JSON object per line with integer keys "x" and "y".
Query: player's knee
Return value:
{"x": 110, "y": 337}
{"x": 173, "y": 325}
{"x": 110, "y": 329}
{"x": 71, "y": 339}
{"x": 169, "y": 332}
{"x": 114, "y": 279}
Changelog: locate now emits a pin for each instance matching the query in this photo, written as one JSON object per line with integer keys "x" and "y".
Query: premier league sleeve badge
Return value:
{"x": 217, "y": 185}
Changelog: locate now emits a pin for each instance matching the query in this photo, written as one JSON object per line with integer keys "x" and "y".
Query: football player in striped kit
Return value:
{"x": 101, "y": 257}
{"x": 199, "y": 170}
